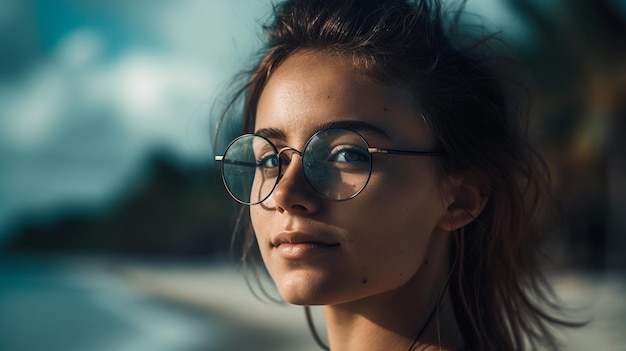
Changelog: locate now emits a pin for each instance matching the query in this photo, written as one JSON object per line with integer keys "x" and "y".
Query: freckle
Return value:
{"x": 385, "y": 109}
{"x": 425, "y": 263}
{"x": 364, "y": 281}
{"x": 328, "y": 97}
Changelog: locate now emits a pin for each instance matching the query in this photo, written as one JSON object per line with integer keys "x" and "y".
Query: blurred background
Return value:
{"x": 115, "y": 228}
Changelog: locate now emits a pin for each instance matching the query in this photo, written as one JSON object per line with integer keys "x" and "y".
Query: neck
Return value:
{"x": 399, "y": 319}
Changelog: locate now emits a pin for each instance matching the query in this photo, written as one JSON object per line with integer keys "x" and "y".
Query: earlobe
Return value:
{"x": 466, "y": 199}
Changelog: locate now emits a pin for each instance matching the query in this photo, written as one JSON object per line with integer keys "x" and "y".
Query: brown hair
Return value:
{"x": 477, "y": 117}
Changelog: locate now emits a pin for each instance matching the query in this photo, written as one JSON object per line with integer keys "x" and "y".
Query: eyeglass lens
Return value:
{"x": 335, "y": 162}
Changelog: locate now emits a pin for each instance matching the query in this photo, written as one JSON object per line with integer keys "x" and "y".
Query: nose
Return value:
{"x": 293, "y": 193}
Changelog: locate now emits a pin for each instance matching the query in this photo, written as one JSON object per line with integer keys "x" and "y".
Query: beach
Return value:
{"x": 68, "y": 302}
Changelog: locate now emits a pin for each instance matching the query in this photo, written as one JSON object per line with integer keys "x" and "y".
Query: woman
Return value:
{"x": 388, "y": 179}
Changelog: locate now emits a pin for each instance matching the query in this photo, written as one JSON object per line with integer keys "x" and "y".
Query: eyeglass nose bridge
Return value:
{"x": 286, "y": 161}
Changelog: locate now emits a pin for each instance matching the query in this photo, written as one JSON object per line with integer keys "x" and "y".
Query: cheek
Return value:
{"x": 269, "y": 202}
{"x": 394, "y": 220}
{"x": 389, "y": 229}
{"x": 401, "y": 201}
{"x": 392, "y": 241}
{"x": 381, "y": 261}
{"x": 260, "y": 224}
{"x": 259, "y": 213}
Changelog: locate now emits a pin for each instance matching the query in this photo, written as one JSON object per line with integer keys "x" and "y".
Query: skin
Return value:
{"x": 388, "y": 260}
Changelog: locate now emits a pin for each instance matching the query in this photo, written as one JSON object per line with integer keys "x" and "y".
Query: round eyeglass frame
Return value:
{"x": 370, "y": 149}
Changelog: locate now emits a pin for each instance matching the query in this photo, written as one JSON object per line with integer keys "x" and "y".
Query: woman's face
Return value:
{"x": 323, "y": 252}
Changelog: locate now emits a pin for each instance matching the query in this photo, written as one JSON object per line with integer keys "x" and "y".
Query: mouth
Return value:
{"x": 297, "y": 245}
{"x": 295, "y": 238}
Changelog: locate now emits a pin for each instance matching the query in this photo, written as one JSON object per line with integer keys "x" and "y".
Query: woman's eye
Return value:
{"x": 269, "y": 161}
{"x": 349, "y": 154}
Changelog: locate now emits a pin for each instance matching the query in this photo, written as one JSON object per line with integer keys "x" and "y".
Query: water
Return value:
{"x": 69, "y": 305}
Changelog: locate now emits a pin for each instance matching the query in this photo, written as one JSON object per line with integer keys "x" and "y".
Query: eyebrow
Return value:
{"x": 355, "y": 125}
{"x": 271, "y": 133}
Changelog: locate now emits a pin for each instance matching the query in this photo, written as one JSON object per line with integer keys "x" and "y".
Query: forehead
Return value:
{"x": 311, "y": 89}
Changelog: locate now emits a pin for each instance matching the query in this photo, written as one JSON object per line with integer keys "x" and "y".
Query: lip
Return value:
{"x": 298, "y": 245}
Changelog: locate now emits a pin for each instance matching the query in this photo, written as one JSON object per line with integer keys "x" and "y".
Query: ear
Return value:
{"x": 465, "y": 198}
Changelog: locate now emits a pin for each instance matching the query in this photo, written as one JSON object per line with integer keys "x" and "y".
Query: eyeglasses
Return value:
{"x": 336, "y": 163}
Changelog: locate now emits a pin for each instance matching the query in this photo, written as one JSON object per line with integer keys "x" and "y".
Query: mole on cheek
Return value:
{"x": 364, "y": 281}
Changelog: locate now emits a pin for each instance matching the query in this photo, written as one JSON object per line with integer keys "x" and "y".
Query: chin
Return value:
{"x": 299, "y": 301}
{"x": 305, "y": 290}
{"x": 301, "y": 294}
{"x": 307, "y": 300}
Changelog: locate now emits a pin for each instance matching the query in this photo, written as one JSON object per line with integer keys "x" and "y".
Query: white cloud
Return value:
{"x": 35, "y": 108}
{"x": 80, "y": 48}
{"x": 31, "y": 111}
